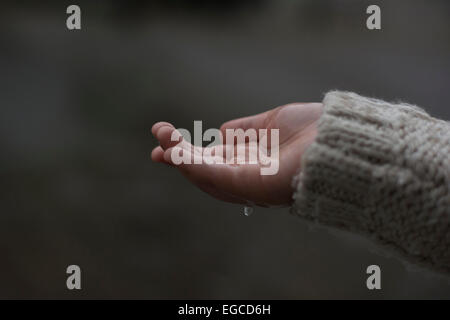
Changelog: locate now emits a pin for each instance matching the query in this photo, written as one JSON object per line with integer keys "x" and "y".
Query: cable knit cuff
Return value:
{"x": 382, "y": 170}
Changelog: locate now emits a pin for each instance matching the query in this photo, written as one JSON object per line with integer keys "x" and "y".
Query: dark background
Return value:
{"x": 76, "y": 107}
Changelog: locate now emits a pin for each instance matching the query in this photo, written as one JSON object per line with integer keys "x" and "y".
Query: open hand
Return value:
{"x": 243, "y": 183}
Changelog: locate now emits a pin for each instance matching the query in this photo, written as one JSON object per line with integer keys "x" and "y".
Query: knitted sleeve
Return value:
{"x": 382, "y": 170}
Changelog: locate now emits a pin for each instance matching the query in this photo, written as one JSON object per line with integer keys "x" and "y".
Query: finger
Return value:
{"x": 169, "y": 137}
{"x": 158, "y": 125}
{"x": 158, "y": 154}
{"x": 170, "y": 155}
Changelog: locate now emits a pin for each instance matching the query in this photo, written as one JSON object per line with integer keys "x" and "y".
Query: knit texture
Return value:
{"x": 382, "y": 170}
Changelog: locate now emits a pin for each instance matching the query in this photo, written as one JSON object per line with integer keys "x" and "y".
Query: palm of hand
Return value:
{"x": 243, "y": 183}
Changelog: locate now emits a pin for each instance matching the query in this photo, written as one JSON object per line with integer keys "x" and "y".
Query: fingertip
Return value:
{"x": 158, "y": 125}
{"x": 158, "y": 154}
{"x": 164, "y": 136}
{"x": 177, "y": 152}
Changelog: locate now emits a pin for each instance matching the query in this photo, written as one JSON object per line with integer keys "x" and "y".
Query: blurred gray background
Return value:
{"x": 77, "y": 184}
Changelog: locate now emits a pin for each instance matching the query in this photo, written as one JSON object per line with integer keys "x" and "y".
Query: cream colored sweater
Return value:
{"x": 382, "y": 170}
